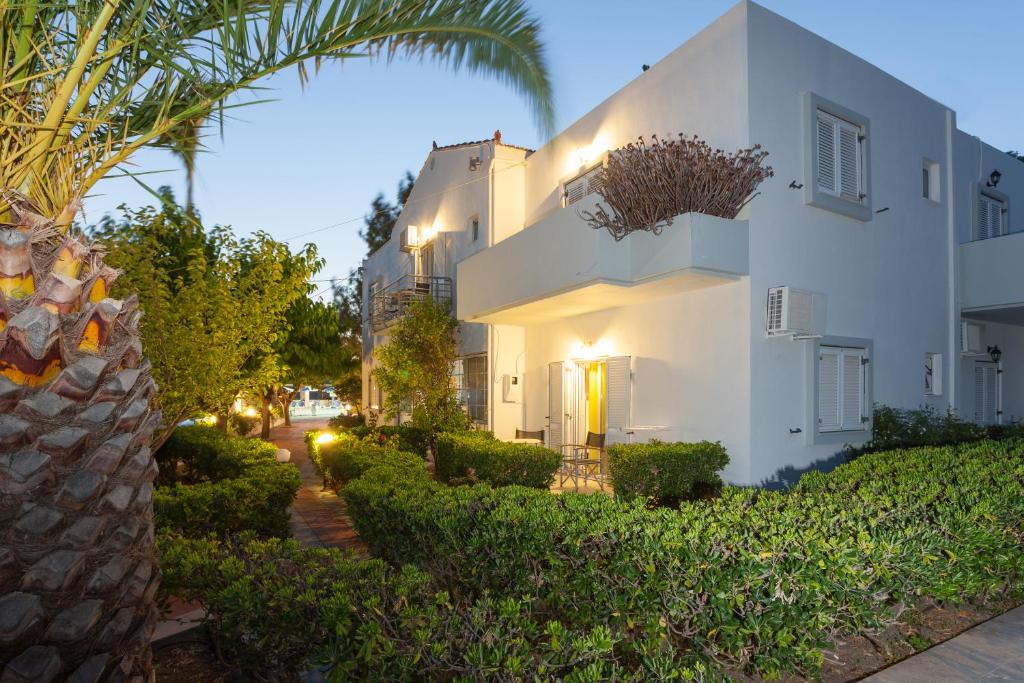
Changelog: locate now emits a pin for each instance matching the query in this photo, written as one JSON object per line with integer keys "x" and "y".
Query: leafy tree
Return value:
{"x": 214, "y": 305}
{"x": 86, "y": 85}
{"x": 383, "y": 215}
{"x": 415, "y": 368}
{"x": 313, "y": 350}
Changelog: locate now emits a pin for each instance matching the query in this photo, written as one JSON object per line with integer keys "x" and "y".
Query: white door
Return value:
{"x": 555, "y": 409}
{"x": 986, "y": 393}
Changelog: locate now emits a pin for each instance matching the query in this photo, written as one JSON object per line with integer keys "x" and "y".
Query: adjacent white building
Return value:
{"x": 882, "y": 264}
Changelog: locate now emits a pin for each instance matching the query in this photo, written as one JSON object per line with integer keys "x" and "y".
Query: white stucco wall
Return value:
{"x": 885, "y": 279}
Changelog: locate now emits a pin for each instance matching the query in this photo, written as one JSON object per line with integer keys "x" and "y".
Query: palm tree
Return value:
{"x": 84, "y": 84}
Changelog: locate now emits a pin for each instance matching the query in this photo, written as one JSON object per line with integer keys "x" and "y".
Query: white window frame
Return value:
{"x": 816, "y": 109}
{"x": 839, "y": 433}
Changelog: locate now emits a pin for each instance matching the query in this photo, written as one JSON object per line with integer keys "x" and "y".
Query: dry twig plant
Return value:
{"x": 645, "y": 185}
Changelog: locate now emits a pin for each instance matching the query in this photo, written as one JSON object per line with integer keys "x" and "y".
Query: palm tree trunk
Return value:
{"x": 77, "y": 565}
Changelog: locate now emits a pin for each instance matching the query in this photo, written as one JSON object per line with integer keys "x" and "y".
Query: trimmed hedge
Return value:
{"x": 667, "y": 473}
{"x": 277, "y": 609}
{"x": 755, "y": 580}
{"x": 239, "y": 486}
{"x": 479, "y": 457}
{"x": 402, "y": 438}
{"x": 345, "y": 459}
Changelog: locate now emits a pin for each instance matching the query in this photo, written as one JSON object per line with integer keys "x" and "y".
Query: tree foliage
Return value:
{"x": 214, "y": 305}
{"x": 415, "y": 368}
{"x": 383, "y": 215}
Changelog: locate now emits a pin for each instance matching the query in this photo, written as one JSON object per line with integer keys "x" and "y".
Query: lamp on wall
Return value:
{"x": 993, "y": 178}
{"x": 995, "y": 352}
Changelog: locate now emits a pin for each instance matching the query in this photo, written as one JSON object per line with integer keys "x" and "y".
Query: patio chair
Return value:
{"x": 528, "y": 434}
{"x": 579, "y": 463}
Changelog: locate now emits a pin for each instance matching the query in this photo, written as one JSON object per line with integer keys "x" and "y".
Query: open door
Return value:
{"x": 555, "y": 409}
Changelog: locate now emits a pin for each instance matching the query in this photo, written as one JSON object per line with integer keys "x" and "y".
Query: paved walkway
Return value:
{"x": 989, "y": 652}
{"x": 319, "y": 517}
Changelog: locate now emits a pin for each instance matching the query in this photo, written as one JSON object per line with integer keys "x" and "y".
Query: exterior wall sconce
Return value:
{"x": 995, "y": 352}
{"x": 993, "y": 178}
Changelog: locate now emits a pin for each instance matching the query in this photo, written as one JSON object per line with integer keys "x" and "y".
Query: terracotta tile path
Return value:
{"x": 319, "y": 517}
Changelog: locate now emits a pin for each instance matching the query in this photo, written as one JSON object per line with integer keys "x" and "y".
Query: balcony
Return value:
{"x": 560, "y": 267}
{"x": 991, "y": 285}
{"x": 391, "y": 303}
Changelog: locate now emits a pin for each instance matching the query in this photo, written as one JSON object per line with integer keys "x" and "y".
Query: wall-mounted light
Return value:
{"x": 995, "y": 353}
{"x": 993, "y": 178}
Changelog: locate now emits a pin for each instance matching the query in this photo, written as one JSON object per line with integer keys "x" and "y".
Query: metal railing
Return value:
{"x": 391, "y": 303}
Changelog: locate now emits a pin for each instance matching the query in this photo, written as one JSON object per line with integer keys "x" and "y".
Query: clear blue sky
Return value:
{"x": 316, "y": 157}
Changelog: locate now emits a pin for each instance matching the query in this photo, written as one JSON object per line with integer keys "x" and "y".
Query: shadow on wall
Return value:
{"x": 788, "y": 476}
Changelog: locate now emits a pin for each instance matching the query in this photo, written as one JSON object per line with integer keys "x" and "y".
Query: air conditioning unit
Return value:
{"x": 970, "y": 337}
{"x": 795, "y": 313}
{"x": 407, "y": 239}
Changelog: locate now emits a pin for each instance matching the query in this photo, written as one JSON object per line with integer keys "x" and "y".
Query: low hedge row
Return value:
{"x": 346, "y": 458}
{"x": 400, "y": 437}
{"x": 479, "y": 457}
{"x": 277, "y": 609}
{"x": 925, "y": 426}
{"x": 666, "y": 473}
{"x": 238, "y": 486}
{"x": 755, "y": 580}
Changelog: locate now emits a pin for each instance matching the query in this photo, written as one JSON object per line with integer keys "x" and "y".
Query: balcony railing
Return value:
{"x": 391, "y": 303}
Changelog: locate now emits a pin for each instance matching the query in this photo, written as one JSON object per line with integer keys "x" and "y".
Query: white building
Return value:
{"x": 902, "y": 259}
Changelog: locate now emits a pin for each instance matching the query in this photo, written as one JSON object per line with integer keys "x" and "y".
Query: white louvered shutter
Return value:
{"x": 555, "y": 411}
{"x": 853, "y": 389}
{"x": 991, "y": 394}
{"x": 619, "y": 392}
{"x": 581, "y": 186}
{"x": 986, "y": 393}
{"x": 990, "y": 217}
{"x": 849, "y": 161}
{"x": 829, "y": 419}
{"x": 826, "y": 153}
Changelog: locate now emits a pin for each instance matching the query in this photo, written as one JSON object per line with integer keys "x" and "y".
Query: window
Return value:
{"x": 932, "y": 374}
{"x": 990, "y": 215}
{"x": 470, "y": 379}
{"x": 582, "y": 185}
{"x": 474, "y": 228}
{"x": 839, "y": 157}
{"x": 836, "y": 161}
{"x": 841, "y": 389}
{"x": 930, "y": 180}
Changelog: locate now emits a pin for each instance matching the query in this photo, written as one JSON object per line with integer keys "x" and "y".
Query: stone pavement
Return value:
{"x": 319, "y": 517}
{"x": 990, "y": 652}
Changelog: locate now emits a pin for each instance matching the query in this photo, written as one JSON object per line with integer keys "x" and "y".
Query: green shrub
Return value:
{"x": 755, "y": 580}
{"x": 478, "y": 456}
{"x": 666, "y": 472}
{"x": 345, "y": 459}
{"x": 233, "y": 485}
{"x": 925, "y": 426}
{"x": 276, "y": 609}
{"x": 342, "y": 422}
{"x": 401, "y": 438}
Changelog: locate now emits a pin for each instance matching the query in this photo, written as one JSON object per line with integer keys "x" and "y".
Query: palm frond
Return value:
{"x": 84, "y": 84}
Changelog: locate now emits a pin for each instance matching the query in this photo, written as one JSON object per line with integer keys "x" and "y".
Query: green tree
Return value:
{"x": 214, "y": 305}
{"x": 86, "y": 84}
{"x": 313, "y": 351}
{"x": 383, "y": 215}
{"x": 415, "y": 368}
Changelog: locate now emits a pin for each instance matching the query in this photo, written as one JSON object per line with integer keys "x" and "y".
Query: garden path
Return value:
{"x": 318, "y": 517}
{"x": 989, "y": 652}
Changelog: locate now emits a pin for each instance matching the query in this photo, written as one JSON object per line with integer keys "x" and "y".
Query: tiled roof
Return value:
{"x": 496, "y": 138}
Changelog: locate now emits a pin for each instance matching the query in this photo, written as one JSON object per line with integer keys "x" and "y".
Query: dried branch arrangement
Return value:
{"x": 645, "y": 185}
